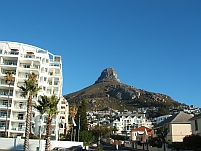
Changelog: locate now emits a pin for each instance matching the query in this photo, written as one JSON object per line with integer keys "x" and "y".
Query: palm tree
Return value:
{"x": 8, "y": 78}
{"x": 42, "y": 107}
{"x": 51, "y": 111}
{"x": 73, "y": 112}
{"x": 31, "y": 89}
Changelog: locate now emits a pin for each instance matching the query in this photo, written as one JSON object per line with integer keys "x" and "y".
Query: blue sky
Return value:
{"x": 153, "y": 45}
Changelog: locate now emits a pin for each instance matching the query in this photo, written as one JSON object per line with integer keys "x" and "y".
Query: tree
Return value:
{"x": 86, "y": 137}
{"x": 31, "y": 89}
{"x": 73, "y": 112}
{"x": 192, "y": 142}
{"x": 100, "y": 131}
{"x": 8, "y": 78}
{"x": 81, "y": 116}
{"x": 48, "y": 106}
{"x": 161, "y": 135}
{"x": 42, "y": 107}
{"x": 51, "y": 111}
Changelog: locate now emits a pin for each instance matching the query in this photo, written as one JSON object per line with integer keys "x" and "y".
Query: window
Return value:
{"x": 20, "y": 116}
{"x": 2, "y": 114}
{"x": 5, "y": 103}
{"x": 21, "y": 105}
{"x": 20, "y": 126}
{"x": 2, "y": 124}
{"x": 196, "y": 125}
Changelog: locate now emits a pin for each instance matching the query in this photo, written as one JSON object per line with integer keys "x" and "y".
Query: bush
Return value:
{"x": 192, "y": 142}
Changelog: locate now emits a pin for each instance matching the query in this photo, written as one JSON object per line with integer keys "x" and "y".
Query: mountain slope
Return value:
{"x": 108, "y": 91}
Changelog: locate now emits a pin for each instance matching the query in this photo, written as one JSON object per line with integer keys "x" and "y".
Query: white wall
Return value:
{"x": 18, "y": 143}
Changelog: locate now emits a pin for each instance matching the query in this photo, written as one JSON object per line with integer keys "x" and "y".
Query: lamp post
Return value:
{"x": 40, "y": 127}
{"x": 79, "y": 129}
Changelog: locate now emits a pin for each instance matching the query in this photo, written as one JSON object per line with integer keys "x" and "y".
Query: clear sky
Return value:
{"x": 153, "y": 45}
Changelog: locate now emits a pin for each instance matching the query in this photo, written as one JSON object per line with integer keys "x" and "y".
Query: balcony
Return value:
{"x": 5, "y": 93}
{"x": 23, "y": 75}
{"x": 5, "y": 71}
{"x": 20, "y": 96}
{"x": 29, "y": 66}
{"x": 3, "y": 115}
{"x": 2, "y": 127}
{"x": 54, "y": 74}
{"x": 20, "y": 106}
{"x": 5, "y": 104}
{"x": 21, "y": 84}
{"x": 31, "y": 56}
{"x": 3, "y": 82}
{"x": 11, "y": 53}
{"x": 10, "y": 63}
{"x": 55, "y": 63}
{"x": 19, "y": 117}
{"x": 17, "y": 129}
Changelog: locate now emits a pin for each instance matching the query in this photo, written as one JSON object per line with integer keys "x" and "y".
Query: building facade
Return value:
{"x": 178, "y": 126}
{"x": 126, "y": 122}
{"x": 196, "y": 124}
{"x": 22, "y": 59}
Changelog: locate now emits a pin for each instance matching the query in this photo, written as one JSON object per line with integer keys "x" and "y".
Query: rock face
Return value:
{"x": 108, "y": 75}
{"x": 109, "y": 92}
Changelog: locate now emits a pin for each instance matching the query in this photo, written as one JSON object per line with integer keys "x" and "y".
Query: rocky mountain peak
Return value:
{"x": 108, "y": 75}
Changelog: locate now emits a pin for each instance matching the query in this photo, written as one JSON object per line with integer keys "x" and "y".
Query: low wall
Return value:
{"x": 18, "y": 143}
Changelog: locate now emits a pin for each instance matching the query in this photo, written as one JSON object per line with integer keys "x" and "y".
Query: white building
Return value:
{"x": 162, "y": 118}
{"x": 127, "y": 122}
{"x": 21, "y": 59}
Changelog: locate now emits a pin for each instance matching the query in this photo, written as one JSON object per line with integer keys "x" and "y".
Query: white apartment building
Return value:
{"x": 162, "y": 118}
{"x": 21, "y": 59}
{"x": 127, "y": 122}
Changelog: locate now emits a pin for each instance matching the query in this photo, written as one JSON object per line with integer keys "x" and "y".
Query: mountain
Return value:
{"x": 108, "y": 91}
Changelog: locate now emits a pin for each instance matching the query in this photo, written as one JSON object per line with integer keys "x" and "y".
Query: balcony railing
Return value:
{"x": 5, "y": 93}
{"x": 2, "y": 128}
{"x": 5, "y": 105}
{"x": 55, "y": 64}
{"x": 4, "y": 116}
{"x": 17, "y": 129}
{"x": 20, "y": 96}
{"x": 14, "y": 63}
{"x": 20, "y": 106}
{"x": 21, "y": 84}
{"x": 29, "y": 66}
{"x": 54, "y": 74}
{"x": 17, "y": 117}
{"x": 4, "y": 82}
{"x": 23, "y": 75}
{"x": 29, "y": 56}
{"x": 5, "y": 71}
{"x": 11, "y": 53}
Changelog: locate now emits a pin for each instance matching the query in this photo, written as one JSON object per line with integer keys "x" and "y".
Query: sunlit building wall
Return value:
{"x": 22, "y": 59}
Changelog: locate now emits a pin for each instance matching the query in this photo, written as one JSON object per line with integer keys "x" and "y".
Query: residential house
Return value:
{"x": 178, "y": 126}
{"x": 196, "y": 124}
{"x": 161, "y": 118}
{"x": 141, "y": 134}
{"x": 127, "y": 122}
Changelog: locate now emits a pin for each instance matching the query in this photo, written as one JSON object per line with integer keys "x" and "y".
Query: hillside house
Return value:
{"x": 141, "y": 134}
{"x": 178, "y": 126}
{"x": 127, "y": 122}
{"x": 196, "y": 124}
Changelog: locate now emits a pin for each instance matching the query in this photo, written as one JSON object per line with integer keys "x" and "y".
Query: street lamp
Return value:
{"x": 40, "y": 127}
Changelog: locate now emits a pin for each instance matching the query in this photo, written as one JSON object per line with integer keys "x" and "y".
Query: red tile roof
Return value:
{"x": 142, "y": 128}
